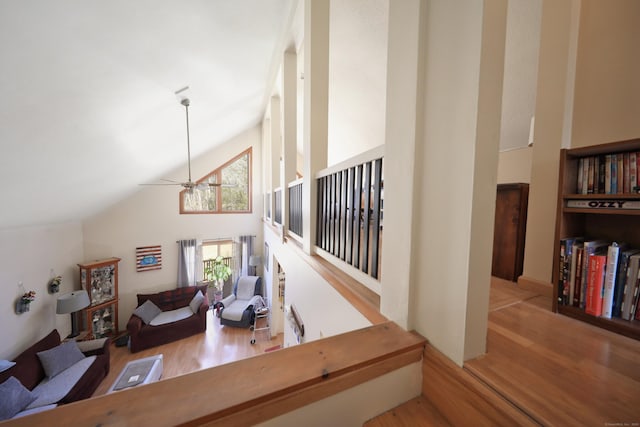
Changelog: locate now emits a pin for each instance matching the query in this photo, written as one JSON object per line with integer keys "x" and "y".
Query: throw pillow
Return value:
{"x": 6, "y": 364}
{"x": 147, "y": 311}
{"x": 60, "y": 358}
{"x": 15, "y": 397}
{"x": 196, "y": 302}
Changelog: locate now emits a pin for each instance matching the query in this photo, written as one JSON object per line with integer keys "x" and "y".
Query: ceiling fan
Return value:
{"x": 188, "y": 184}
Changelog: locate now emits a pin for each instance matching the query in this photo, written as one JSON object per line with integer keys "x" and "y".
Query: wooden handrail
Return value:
{"x": 250, "y": 390}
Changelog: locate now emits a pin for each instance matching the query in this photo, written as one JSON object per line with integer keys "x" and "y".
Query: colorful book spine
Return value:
{"x": 595, "y": 282}
{"x": 626, "y": 176}
{"x": 630, "y": 286}
{"x": 580, "y": 175}
{"x": 633, "y": 172}
{"x": 637, "y": 189}
{"x": 607, "y": 174}
{"x": 591, "y": 176}
{"x": 579, "y": 251}
{"x": 573, "y": 263}
{"x": 603, "y": 204}
{"x": 620, "y": 174}
{"x": 601, "y": 174}
{"x": 590, "y": 248}
{"x": 614, "y": 174}
{"x": 610, "y": 280}
{"x": 566, "y": 251}
{"x": 621, "y": 278}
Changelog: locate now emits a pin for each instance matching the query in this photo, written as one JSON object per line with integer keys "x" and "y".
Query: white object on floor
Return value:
{"x": 154, "y": 373}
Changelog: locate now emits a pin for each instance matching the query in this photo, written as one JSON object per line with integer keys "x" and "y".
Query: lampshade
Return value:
{"x": 255, "y": 260}
{"x": 72, "y": 302}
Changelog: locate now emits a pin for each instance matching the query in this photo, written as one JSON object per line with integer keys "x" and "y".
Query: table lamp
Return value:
{"x": 254, "y": 261}
{"x": 71, "y": 303}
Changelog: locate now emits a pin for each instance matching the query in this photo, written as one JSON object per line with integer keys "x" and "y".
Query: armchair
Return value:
{"x": 237, "y": 309}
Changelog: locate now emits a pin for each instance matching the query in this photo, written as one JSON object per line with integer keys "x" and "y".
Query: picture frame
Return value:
{"x": 267, "y": 259}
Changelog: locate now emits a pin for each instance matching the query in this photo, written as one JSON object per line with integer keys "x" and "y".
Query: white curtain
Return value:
{"x": 245, "y": 252}
{"x": 187, "y": 261}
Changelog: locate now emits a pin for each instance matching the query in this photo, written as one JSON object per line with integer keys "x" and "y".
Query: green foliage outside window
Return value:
{"x": 232, "y": 196}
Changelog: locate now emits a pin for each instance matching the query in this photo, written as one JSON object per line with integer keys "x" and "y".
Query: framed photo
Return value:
{"x": 267, "y": 259}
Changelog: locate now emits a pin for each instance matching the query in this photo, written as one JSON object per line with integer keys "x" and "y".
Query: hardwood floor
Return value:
{"x": 217, "y": 346}
{"x": 556, "y": 370}
{"x": 562, "y": 372}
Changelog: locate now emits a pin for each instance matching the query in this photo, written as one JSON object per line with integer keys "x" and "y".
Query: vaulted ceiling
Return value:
{"x": 87, "y": 103}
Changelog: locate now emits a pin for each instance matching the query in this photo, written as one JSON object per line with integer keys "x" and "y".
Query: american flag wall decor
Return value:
{"x": 148, "y": 258}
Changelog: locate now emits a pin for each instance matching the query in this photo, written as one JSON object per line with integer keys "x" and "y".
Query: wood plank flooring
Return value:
{"x": 557, "y": 370}
{"x": 217, "y": 346}
{"x": 561, "y": 371}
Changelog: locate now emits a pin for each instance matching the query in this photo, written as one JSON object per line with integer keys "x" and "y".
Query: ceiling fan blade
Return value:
{"x": 163, "y": 183}
{"x": 169, "y": 180}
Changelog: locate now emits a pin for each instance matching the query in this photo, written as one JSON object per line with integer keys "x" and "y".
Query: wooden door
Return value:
{"x": 509, "y": 230}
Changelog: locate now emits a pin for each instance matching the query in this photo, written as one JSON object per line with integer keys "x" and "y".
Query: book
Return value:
{"x": 580, "y": 175}
{"x": 603, "y": 204}
{"x": 595, "y": 282}
{"x": 576, "y": 265}
{"x": 585, "y": 176}
{"x": 630, "y": 286}
{"x": 591, "y": 175}
{"x": 607, "y": 174}
{"x": 634, "y": 302}
{"x": 614, "y": 174}
{"x": 610, "y": 280}
{"x": 625, "y": 174}
{"x": 637, "y": 189}
{"x": 601, "y": 174}
{"x": 618, "y": 292}
{"x": 578, "y": 250}
{"x": 620, "y": 173}
{"x": 592, "y": 247}
{"x": 566, "y": 251}
{"x": 633, "y": 172}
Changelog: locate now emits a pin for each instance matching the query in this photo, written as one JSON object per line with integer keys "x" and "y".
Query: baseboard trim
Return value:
{"x": 534, "y": 285}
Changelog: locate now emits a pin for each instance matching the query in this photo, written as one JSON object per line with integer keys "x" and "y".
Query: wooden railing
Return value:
{"x": 277, "y": 215}
{"x": 208, "y": 263}
{"x": 272, "y": 384}
{"x": 350, "y": 202}
{"x": 295, "y": 207}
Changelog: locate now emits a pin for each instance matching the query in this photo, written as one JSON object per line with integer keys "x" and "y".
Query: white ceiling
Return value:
{"x": 88, "y": 109}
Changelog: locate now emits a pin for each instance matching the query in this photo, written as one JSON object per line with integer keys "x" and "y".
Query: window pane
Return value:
{"x": 236, "y": 175}
{"x": 201, "y": 199}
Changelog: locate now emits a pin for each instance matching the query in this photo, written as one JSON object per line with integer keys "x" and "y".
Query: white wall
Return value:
{"x": 456, "y": 191}
{"x": 357, "y": 77}
{"x": 520, "y": 72}
{"x": 324, "y": 311}
{"x": 151, "y": 217}
{"x": 515, "y": 165}
{"x": 33, "y": 255}
{"x": 356, "y": 405}
{"x": 607, "y": 86}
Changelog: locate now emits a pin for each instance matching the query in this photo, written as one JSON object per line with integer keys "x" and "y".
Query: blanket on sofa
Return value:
{"x": 52, "y": 390}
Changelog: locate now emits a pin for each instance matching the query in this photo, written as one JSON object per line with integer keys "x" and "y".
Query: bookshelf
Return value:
{"x": 606, "y": 217}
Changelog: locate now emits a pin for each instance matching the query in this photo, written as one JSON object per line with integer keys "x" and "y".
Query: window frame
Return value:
{"x": 218, "y": 174}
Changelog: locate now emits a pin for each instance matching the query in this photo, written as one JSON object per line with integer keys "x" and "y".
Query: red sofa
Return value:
{"x": 29, "y": 371}
{"x": 143, "y": 336}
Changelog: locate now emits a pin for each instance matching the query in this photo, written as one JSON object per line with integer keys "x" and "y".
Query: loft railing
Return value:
{"x": 295, "y": 207}
{"x": 277, "y": 215}
{"x": 350, "y": 204}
